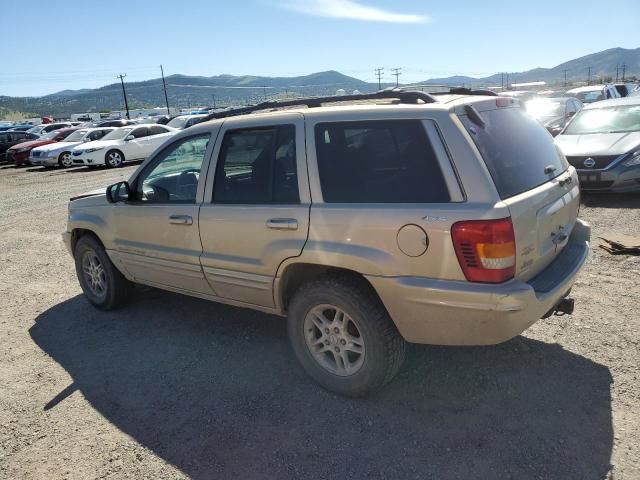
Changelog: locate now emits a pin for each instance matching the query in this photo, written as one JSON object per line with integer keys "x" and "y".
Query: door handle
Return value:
{"x": 181, "y": 220}
{"x": 282, "y": 224}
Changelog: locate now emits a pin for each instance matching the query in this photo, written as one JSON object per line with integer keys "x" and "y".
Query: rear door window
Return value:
{"x": 516, "y": 150}
{"x": 389, "y": 161}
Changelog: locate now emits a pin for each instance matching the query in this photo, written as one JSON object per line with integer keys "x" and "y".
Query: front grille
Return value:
{"x": 37, "y": 154}
{"x": 595, "y": 185}
{"x": 601, "y": 161}
{"x": 79, "y": 161}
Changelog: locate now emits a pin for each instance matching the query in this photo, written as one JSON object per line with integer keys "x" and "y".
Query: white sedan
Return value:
{"x": 59, "y": 153}
{"x": 124, "y": 143}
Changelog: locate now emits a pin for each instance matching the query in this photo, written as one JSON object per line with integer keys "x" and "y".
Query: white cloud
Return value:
{"x": 351, "y": 10}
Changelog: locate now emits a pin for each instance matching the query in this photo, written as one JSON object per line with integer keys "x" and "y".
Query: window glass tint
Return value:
{"x": 140, "y": 132}
{"x": 173, "y": 175}
{"x": 156, "y": 130}
{"x": 257, "y": 166}
{"x": 516, "y": 150}
{"x": 378, "y": 162}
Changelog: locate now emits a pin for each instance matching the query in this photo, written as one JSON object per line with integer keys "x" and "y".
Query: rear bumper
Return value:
{"x": 446, "y": 312}
{"x": 616, "y": 179}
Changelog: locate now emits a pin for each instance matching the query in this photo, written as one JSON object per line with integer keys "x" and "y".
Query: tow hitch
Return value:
{"x": 563, "y": 307}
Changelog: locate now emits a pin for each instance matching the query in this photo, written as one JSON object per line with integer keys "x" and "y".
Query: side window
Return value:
{"x": 257, "y": 166}
{"x": 378, "y": 162}
{"x": 173, "y": 175}
{"x": 4, "y": 138}
{"x": 156, "y": 130}
{"x": 140, "y": 132}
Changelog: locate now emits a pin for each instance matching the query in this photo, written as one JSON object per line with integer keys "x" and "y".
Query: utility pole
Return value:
{"x": 164, "y": 86}
{"x": 565, "y": 78}
{"x": 214, "y": 101}
{"x": 124, "y": 94}
{"x": 397, "y": 72}
{"x": 379, "y": 72}
{"x": 617, "y": 71}
{"x": 264, "y": 92}
{"x": 624, "y": 69}
{"x": 507, "y": 74}
{"x": 502, "y": 80}
{"x": 589, "y": 76}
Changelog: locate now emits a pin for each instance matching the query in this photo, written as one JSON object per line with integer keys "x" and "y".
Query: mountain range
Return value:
{"x": 221, "y": 90}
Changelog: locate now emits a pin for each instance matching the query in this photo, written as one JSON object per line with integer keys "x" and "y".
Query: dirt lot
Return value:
{"x": 174, "y": 387}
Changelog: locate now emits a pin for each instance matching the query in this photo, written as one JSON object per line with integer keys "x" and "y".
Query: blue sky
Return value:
{"x": 51, "y": 46}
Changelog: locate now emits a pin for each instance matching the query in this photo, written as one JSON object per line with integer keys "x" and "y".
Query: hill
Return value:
{"x": 221, "y": 90}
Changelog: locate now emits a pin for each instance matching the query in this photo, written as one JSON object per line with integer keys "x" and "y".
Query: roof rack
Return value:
{"x": 404, "y": 96}
{"x": 467, "y": 91}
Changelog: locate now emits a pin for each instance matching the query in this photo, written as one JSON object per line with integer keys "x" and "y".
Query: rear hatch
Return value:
{"x": 532, "y": 178}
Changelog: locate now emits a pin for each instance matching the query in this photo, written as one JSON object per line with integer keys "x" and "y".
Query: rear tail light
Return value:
{"x": 486, "y": 249}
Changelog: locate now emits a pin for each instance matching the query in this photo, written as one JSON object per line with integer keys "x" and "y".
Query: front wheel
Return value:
{"x": 114, "y": 159}
{"x": 343, "y": 336}
{"x": 102, "y": 283}
{"x": 65, "y": 160}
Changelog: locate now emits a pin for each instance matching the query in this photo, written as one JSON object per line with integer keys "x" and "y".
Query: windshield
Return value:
{"x": 50, "y": 135}
{"x": 118, "y": 134}
{"x": 605, "y": 120}
{"x": 76, "y": 136}
{"x": 590, "y": 96}
{"x": 544, "y": 108}
{"x": 34, "y": 129}
{"x": 178, "y": 122}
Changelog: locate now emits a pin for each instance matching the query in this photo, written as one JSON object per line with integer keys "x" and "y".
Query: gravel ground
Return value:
{"x": 175, "y": 387}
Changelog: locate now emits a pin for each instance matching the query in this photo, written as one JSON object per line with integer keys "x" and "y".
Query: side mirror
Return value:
{"x": 129, "y": 137}
{"x": 118, "y": 192}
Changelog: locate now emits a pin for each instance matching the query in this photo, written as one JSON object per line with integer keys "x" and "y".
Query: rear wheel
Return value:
{"x": 114, "y": 159}
{"x": 65, "y": 160}
{"x": 343, "y": 336}
{"x": 102, "y": 283}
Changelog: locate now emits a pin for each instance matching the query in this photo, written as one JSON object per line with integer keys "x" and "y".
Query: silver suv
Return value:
{"x": 383, "y": 219}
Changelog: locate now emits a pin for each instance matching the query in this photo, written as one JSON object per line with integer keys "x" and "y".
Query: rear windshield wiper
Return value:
{"x": 474, "y": 115}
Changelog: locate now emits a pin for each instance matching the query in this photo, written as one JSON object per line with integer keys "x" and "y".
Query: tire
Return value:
{"x": 65, "y": 160}
{"x": 89, "y": 255}
{"x": 114, "y": 159}
{"x": 382, "y": 347}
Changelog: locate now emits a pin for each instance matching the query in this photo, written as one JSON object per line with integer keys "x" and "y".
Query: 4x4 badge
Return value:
{"x": 589, "y": 162}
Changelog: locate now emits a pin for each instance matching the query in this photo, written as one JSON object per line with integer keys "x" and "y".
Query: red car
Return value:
{"x": 19, "y": 154}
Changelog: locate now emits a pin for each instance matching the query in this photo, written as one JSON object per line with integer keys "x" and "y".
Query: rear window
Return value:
{"x": 516, "y": 150}
{"x": 378, "y": 162}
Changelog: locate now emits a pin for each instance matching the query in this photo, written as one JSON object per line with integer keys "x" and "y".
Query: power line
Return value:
{"x": 397, "y": 72}
{"x": 124, "y": 94}
{"x": 379, "y": 72}
{"x": 164, "y": 86}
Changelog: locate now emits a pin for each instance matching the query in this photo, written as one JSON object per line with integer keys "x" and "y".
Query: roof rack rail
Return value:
{"x": 404, "y": 96}
{"x": 467, "y": 91}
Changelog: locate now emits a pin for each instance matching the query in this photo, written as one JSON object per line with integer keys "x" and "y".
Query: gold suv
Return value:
{"x": 368, "y": 221}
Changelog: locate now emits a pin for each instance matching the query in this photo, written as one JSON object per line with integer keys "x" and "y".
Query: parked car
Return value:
{"x": 553, "y": 113}
{"x": 48, "y": 127}
{"x": 59, "y": 153}
{"x": 625, "y": 89}
{"x": 8, "y": 139}
{"x": 450, "y": 222}
{"x": 185, "y": 121}
{"x": 594, "y": 93}
{"x": 23, "y": 127}
{"x": 19, "y": 154}
{"x": 124, "y": 143}
{"x": 603, "y": 143}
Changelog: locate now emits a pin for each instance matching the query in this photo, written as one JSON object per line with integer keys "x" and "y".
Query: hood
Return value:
{"x": 58, "y": 146}
{"x": 31, "y": 144}
{"x": 96, "y": 144}
{"x": 93, "y": 198}
{"x": 598, "y": 143}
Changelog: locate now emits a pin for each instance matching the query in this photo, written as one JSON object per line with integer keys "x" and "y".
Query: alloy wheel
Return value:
{"x": 334, "y": 340}
{"x": 94, "y": 274}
